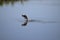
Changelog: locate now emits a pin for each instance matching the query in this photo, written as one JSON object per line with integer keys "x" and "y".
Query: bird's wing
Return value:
{"x": 25, "y": 16}
{"x": 25, "y": 23}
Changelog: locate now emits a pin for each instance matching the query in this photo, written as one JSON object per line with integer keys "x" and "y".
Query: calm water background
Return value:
{"x": 11, "y": 29}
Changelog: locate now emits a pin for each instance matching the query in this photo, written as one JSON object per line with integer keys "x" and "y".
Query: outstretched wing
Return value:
{"x": 25, "y": 16}
{"x": 25, "y": 23}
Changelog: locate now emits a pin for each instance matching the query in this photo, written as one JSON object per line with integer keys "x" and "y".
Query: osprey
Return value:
{"x": 32, "y": 20}
{"x": 27, "y": 20}
{"x": 25, "y": 23}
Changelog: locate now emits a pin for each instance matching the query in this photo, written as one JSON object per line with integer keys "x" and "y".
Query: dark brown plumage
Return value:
{"x": 25, "y": 17}
{"x": 26, "y": 21}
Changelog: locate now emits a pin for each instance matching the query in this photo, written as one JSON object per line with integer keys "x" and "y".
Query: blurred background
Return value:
{"x": 11, "y": 19}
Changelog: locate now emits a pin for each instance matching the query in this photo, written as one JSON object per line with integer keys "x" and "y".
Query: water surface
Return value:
{"x": 10, "y": 15}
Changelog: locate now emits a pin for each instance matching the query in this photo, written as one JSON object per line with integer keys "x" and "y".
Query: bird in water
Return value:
{"x": 26, "y": 18}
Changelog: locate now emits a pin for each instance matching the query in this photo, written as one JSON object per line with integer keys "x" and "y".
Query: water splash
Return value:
{"x": 37, "y": 21}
